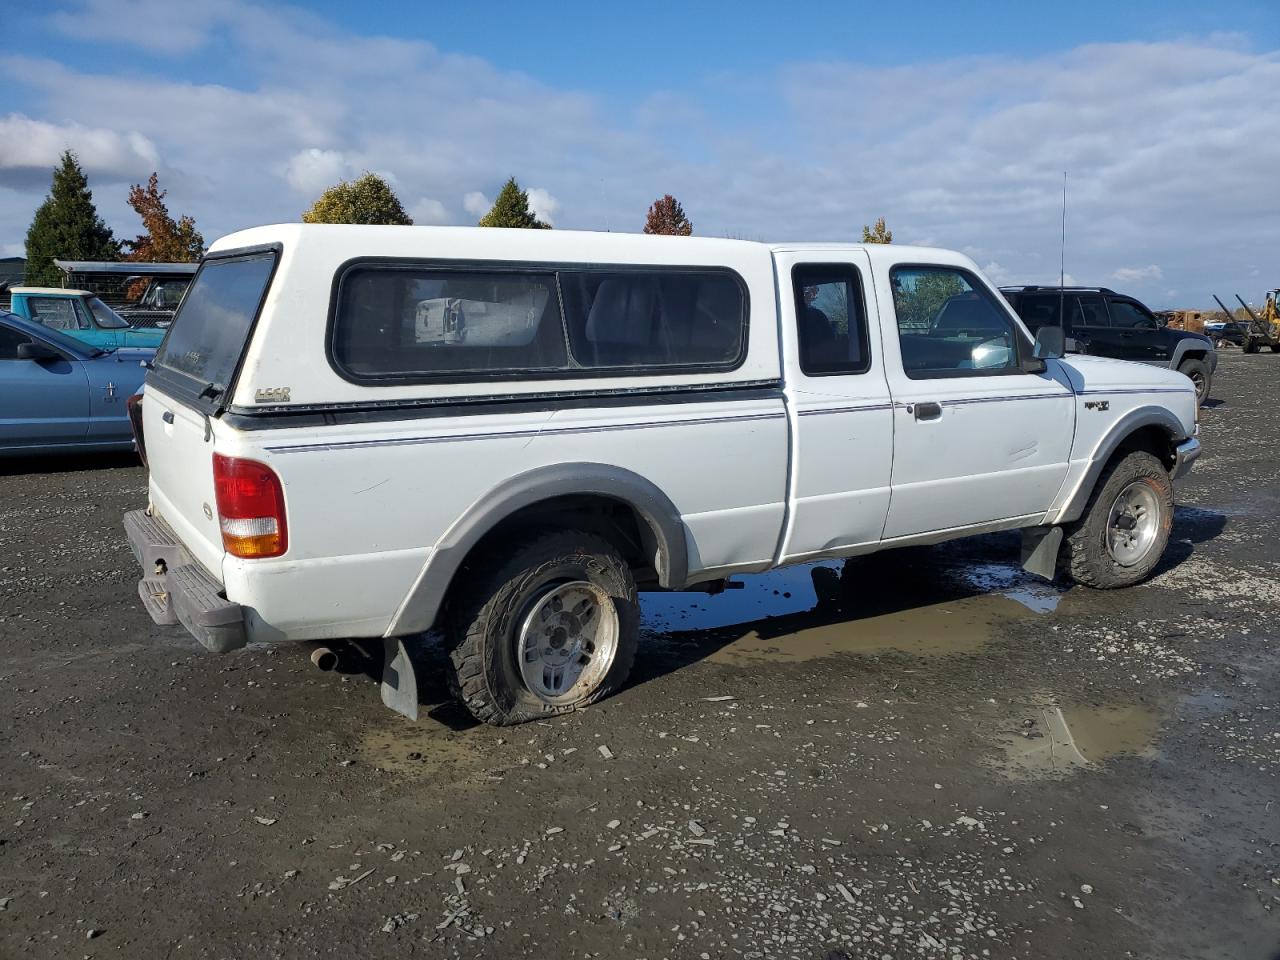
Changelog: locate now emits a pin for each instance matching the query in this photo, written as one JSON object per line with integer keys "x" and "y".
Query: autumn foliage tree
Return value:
{"x": 877, "y": 234}
{"x": 368, "y": 199}
{"x": 512, "y": 209}
{"x": 166, "y": 240}
{"x": 667, "y": 217}
{"x": 67, "y": 225}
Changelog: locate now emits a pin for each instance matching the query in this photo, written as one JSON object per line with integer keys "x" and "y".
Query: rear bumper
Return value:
{"x": 1184, "y": 455}
{"x": 175, "y": 589}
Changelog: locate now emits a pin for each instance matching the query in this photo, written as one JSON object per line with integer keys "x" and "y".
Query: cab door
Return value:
{"x": 1092, "y": 328}
{"x": 42, "y": 402}
{"x": 977, "y": 438}
{"x": 1138, "y": 332}
{"x": 838, "y": 405}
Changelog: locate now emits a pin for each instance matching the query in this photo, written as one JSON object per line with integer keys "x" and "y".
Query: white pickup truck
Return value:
{"x": 370, "y": 432}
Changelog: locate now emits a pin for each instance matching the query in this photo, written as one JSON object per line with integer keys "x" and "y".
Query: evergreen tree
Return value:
{"x": 511, "y": 209}
{"x": 368, "y": 199}
{"x": 877, "y": 234}
{"x": 165, "y": 241}
{"x": 666, "y": 216}
{"x": 66, "y": 226}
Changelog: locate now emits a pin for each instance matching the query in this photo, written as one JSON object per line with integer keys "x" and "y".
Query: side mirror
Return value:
{"x": 1051, "y": 344}
{"x": 37, "y": 351}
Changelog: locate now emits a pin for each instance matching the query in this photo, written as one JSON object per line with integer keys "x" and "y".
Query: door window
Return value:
{"x": 10, "y": 340}
{"x": 1089, "y": 311}
{"x": 831, "y": 319}
{"x": 57, "y": 313}
{"x": 1126, "y": 314}
{"x": 950, "y": 325}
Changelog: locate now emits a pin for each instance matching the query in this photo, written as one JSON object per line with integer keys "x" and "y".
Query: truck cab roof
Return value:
{"x": 51, "y": 291}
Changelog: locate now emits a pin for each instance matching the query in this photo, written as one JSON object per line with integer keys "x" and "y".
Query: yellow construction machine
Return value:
{"x": 1263, "y": 331}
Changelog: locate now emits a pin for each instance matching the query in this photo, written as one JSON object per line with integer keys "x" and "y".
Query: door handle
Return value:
{"x": 928, "y": 411}
{"x": 167, "y": 416}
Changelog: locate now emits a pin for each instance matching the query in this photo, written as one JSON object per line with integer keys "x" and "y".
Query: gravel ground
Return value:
{"x": 942, "y": 758}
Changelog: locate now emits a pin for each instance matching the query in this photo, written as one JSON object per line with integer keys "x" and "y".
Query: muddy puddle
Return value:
{"x": 1053, "y": 740}
{"x": 427, "y": 748}
{"x": 909, "y": 605}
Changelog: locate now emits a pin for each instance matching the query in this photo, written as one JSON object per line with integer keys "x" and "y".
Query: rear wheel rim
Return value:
{"x": 1133, "y": 524}
{"x": 567, "y": 642}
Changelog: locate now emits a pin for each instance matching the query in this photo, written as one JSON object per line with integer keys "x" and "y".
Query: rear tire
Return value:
{"x": 1198, "y": 372}
{"x": 1124, "y": 529}
{"x": 543, "y": 629}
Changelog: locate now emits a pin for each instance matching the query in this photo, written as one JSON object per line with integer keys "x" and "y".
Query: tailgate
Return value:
{"x": 191, "y": 379}
{"x": 181, "y": 463}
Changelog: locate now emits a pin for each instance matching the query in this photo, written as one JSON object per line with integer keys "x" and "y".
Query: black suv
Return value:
{"x": 1108, "y": 324}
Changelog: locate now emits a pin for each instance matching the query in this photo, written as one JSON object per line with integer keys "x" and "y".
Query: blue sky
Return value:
{"x": 954, "y": 121}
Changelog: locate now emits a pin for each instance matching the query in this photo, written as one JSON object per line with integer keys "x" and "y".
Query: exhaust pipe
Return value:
{"x": 324, "y": 658}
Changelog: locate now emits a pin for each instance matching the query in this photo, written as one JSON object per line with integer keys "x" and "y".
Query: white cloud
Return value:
{"x": 29, "y": 149}
{"x": 428, "y": 211}
{"x": 476, "y": 203}
{"x": 1138, "y": 274}
{"x": 543, "y": 204}
{"x": 1168, "y": 145}
{"x": 997, "y": 273}
{"x": 159, "y": 26}
{"x": 313, "y": 170}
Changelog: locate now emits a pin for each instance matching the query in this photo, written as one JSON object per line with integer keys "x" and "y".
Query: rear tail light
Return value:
{"x": 250, "y": 508}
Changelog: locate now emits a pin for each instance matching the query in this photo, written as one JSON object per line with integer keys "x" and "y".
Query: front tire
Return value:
{"x": 543, "y": 629}
{"x": 1198, "y": 372}
{"x": 1125, "y": 526}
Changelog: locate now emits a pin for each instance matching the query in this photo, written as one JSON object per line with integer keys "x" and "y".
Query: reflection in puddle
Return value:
{"x": 954, "y": 626}
{"x": 895, "y": 602}
{"x": 1057, "y": 739}
{"x": 1010, "y": 581}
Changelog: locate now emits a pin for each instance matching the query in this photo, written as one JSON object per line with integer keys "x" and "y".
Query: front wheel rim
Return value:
{"x": 1133, "y": 524}
{"x": 567, "y": 642}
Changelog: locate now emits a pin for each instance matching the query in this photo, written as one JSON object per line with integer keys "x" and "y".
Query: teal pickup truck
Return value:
{"x": 80, "y": 314}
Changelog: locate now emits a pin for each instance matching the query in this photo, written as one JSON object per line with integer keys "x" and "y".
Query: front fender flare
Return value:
{"x": 1121, "y": 430}
{"x": 419, "y": 609}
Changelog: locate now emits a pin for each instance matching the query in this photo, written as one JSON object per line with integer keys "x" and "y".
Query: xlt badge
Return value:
{"x": 271, "y": 395}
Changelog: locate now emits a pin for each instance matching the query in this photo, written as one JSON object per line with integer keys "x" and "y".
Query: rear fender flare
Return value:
{"x": 419, "y": 609}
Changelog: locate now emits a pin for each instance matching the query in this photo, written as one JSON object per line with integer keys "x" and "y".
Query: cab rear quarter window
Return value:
{"x": 415, "y": 322}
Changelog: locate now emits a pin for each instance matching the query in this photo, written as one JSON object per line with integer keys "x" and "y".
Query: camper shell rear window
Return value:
{"x": 202, "y": 350}
{"x": 419, "y": 322}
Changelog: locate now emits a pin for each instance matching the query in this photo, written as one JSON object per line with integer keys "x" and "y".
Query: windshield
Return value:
{"x": 104, "y": 316}
{"x": 210, "y": 329}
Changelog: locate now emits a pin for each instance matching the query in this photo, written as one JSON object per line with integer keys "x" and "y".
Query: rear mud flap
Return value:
{"x": 1040, "y": 546}
{"x": 399, "y": 682}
